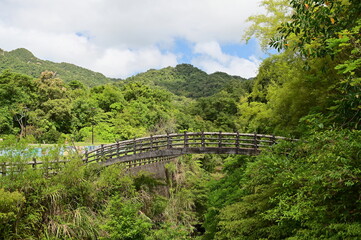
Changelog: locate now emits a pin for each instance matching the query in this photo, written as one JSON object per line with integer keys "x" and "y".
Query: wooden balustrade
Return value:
{"x": 202, "y": 141}
{"x": 49, "y": 167}
{"x": 140, "y": 151}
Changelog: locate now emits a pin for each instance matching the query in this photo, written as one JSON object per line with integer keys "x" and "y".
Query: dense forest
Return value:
{"x": 305, "y": 189}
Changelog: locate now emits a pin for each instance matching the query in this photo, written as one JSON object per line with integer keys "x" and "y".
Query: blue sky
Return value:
{"x": 239, "y": 49}
{"x": 120, "y": 38}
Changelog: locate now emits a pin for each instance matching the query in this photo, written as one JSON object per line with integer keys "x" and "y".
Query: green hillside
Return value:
{"x": 23, "y": 61}
{"x": 187, "y": 80}
{"x": 182, "y": 80}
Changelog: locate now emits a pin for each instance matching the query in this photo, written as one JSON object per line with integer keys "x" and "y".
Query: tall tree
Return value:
{"x": 17, "y": 96}
{"x": 265, "y": 26}
{"x": 329, "y": 28}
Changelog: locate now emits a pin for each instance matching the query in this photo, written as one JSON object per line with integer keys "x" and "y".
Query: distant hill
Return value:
{"x": 187, "y": 80}
{"x": 23, "y": 61}
{"x": 182, "y": 80}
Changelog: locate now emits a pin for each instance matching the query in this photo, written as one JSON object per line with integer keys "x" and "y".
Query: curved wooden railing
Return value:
{"x": 158, "y": 148}
{"x": 145, "y": 150}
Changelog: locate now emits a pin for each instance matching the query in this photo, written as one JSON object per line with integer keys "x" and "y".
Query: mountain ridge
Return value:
{"x": 23, "y": 61}
{"x": 187, "y": 80}
{"x": 182, "y": 80}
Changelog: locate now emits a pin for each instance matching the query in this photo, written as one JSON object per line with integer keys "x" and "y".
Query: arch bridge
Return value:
{"x": 141, "y": 152}
{"x": 157, "y": 148}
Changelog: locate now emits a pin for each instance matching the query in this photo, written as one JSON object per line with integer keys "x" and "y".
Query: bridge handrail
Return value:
{"x": 126, "y": 152}
{"x": 182, "y": 140}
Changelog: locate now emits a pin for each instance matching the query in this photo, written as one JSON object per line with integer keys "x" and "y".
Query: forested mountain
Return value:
{"x": 187, "y": 80}
{"x": 182, "y": 80}
{"x": 47, "y": 104}
{"x": 23, "y": 61}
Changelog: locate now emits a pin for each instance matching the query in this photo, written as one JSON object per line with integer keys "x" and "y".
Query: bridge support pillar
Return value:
{"x": 157, "y": 169}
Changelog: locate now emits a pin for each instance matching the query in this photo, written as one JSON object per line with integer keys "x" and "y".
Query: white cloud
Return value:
{"x": 211, "y": 59}
{"x": 79, "y": 50}
{"x": 212, "y": 50}
{"x": 134, "y": 23}
{"x": 110, "y": 36}
{"x": 124, "y": 62}
{"x": 65, "y": 47}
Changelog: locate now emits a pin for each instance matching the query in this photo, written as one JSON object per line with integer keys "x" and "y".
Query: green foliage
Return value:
{"x": 314, "y": 22}
{"x": 188, "y": 194}
{"x": 169, "y": 232}
{"x": 253, "y": 117}
{"x": 17, "y": 95}
{"x": 125, "y": 222}
{"x": 218, "y": 109}
{"x": 265, "y": 26}
{"x": 223, "y": 192}
{"x": 329, "y": 28}
{"x": 85, "y": 112}
{"x": 347, "y": 104}
{"x": 285, "y": 91}
{"x": 146, "y": 110}
{"x": 6, "y": 121}
{"x": 16, "y": 88}
{"x": 186, "y": 80}
{"x": 10, "y": 204}
{"x": 310, "y": 193}
{"x": 106, "y": 96}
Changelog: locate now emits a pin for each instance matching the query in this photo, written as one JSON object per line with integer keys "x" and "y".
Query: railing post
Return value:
{"x": 237, "y": 142}
{"x": 101, "y": 152}
{"x": 255, "y": 142}
{"x": 203, "y": 142}
{"x": 34, "y": 164}
{"x": 86, "y": 156}
{"x": 220, "y": 139}
{"x": 186, "y": 145}
{"x": 126, "y": 148}
{"x": 140, "y": 146}
{"x": 169, "y": 141}
{"x": 273, "y": 139}
{"x": 134, "y": 146}
{"x": 96, "y": 155}
{"x": 151, "y": 142}
{"x": 118, "y": 150}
